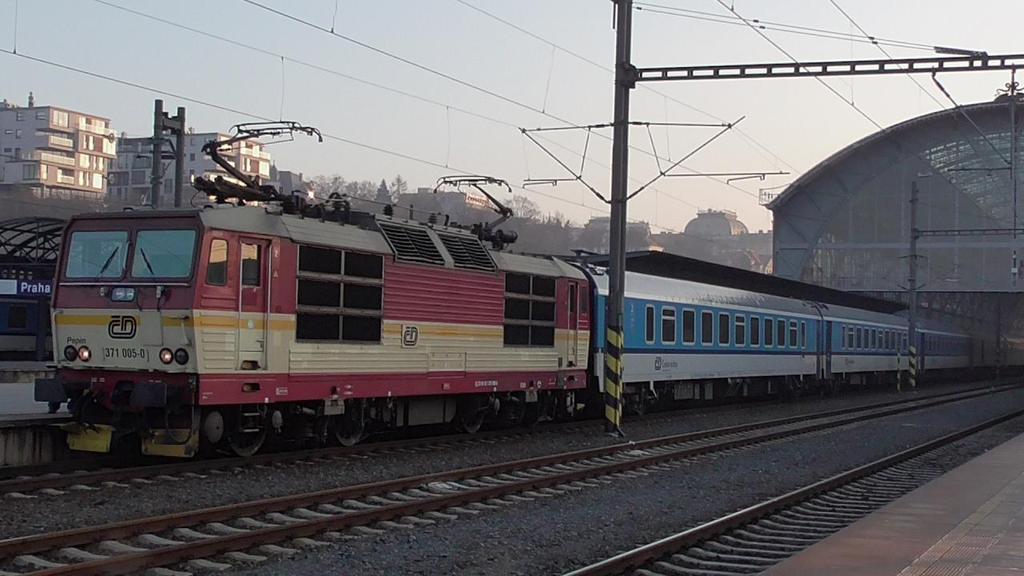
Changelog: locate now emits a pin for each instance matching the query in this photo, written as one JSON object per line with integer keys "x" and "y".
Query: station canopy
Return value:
{"x": 30, "y": 240}
{"x": 845, "y": 224}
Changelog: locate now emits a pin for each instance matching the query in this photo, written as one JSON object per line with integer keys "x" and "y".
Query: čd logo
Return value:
{"x": 410, "y": 336}
{"x": 122, "y": 327}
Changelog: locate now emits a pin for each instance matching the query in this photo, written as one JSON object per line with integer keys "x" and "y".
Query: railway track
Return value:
{"x": 218, "y": 537}
{"x": 752, "y": 540}
{"x": 109, "y": 472}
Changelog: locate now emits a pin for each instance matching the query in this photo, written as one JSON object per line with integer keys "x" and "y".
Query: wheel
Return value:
{"x": 565, "y": 406}
{"x": 350, "y": 428}
{"x": 248, "y": 432}
{"x": 246, "y": 444}
{"x": 531, "y": 413}
{"x": 471, "y": 414}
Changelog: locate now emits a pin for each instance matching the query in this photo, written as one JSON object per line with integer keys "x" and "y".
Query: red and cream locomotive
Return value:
{"x": 228, "y": 325}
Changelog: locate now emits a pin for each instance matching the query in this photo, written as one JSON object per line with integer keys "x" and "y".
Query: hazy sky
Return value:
{"x": 439, "y": 122}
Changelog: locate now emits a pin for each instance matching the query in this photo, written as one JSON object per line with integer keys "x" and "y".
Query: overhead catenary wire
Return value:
{"x": 254, "y": 116}
{"x": 780, "y": 27}
{"x": 764, "y": 151}
{"x": 884, "y": 51}
{"x": 450, "y": 77}
{"x": 448, "y": 107}
{"x": 778, "y": 47}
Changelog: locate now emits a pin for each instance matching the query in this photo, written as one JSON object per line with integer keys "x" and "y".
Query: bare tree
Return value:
{"x": 399, "y": 186}
{"x": 524, "y": 208}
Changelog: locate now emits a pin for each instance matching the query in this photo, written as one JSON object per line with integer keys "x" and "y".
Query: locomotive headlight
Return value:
{"x": 84, "y": 354}
{"x": 122, "y": 294}
{"x": 70, "y": 353}
{"x": 166, "y": 356}
{"x": 181, "y": 356}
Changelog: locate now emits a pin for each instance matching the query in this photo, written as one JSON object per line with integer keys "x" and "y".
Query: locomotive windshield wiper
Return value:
{"x": 107, "y": 262}
{"x": 145, "y": 259}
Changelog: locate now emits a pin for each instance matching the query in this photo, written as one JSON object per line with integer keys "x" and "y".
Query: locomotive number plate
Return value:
{"x": 125, "y": 353}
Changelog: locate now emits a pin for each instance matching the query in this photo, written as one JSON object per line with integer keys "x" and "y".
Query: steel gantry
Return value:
{"x": 626, "y": 77}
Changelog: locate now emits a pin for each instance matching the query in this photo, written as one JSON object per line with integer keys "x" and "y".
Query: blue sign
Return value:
{"x": 26, "y": 288}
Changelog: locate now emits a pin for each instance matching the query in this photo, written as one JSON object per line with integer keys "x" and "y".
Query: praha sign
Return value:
{"x": 26, "y": 288}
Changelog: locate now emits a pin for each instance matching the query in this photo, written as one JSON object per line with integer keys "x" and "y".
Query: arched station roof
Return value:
{"x": 846, "y": 222}
{"x": 30, "y": 240}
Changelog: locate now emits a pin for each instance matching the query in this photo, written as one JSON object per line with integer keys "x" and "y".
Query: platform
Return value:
{"x": 969, "y": 522}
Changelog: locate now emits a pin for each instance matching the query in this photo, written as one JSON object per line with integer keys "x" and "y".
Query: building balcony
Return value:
{"x": 93, "y": 128}
{"x": 53, "y": 158}
{"x": 65, "y": 179}
{"x": 60, "y": 141}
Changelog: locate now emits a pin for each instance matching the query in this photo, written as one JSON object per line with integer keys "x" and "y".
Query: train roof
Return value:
{"x": 333, "y": 234}
{"x": 668, "y": 265}
{"x": 660, "y": 288}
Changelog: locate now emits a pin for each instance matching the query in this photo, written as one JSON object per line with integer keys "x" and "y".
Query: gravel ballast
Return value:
{"x": 109, "y": 504}
{"x": 555, "y": 535}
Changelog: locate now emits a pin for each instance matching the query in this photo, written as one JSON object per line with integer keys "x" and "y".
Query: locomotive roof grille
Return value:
{"x": 413, "y": 244}
{"x": 467, "y": 251}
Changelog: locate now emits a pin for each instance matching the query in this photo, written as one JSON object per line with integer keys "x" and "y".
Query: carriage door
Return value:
{"x": 253, "y": 297}
{"x": 828, "y": 349}
{"x": 572, "y": 342}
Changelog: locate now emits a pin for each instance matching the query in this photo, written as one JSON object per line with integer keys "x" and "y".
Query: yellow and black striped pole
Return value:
{"x": 613, "y": 380}
{"x": 912, "y": 359}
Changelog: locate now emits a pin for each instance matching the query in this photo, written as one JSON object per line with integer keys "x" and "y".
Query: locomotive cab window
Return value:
{"x": 529, "y": 310}
{"x": 339, "y": 295}
{"x": 217, "y": 267}
{"x": 668, "y": 325}
{"x": 97, "y": 254}
{"x": 689, "y": 326}
{"x": 707, "y": 327}
{"x": 755, "y": 330}
{"x": 163, "y": 253}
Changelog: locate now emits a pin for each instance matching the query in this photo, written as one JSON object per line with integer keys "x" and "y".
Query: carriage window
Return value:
{"x": 668, "y": 325}
{"x": 529, "y": 310}
{"x": 803, "y": 334}
{"x": 689, "y": 326}
{"x": 849, "y": 337}
{"x": 251, "y": 264}
{"x": 217, "y": 269}
{"x": 741, "y": 330}
{"x": 860, "y": 338}
{"x": 792, "y": 334}
{"x": 755, "y": 331}
{"x": 707, "y": 328}
{"x": 723, "y": 328}
{"x": 332, "y": 305}
{"x": 780, "y": 333}
{"x": 649, "y": 325}
{"x": 769, "y": 332}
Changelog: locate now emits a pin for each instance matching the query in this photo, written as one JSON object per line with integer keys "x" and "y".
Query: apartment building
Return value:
{"x": 131, "y": 177}
{"x": 55, "y": 152}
